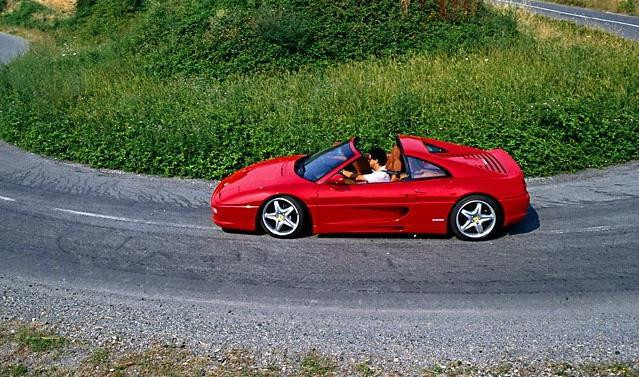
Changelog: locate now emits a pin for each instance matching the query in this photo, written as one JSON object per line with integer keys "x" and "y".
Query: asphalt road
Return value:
{"x": 82, "y": 239}
{"x": 114, "y": 253}
{"x": 623, "y": 25}
{"x": 69, "y": 222}
{"x": 11, "y": 47}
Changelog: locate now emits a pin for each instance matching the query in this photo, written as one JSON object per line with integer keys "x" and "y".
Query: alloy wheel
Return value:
{"x": 280, "y": 217}
{"x": 476, "y": 219}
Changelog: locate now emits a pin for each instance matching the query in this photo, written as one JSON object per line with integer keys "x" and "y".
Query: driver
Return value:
{"x": 377, "y": 162}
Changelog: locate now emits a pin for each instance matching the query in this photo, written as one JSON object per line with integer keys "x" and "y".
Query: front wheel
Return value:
{"x": 283, "y": 217}
{"x": 475, "y": 218}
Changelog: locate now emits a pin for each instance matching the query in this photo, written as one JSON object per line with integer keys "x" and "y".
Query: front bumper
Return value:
{"x": 236, "y": 217}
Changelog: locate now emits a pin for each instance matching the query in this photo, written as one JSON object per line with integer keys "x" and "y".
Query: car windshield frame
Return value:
{"x": 318, "y": 165}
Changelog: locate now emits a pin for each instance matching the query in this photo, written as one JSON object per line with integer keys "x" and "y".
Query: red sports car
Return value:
{"x": 432, "y": 187}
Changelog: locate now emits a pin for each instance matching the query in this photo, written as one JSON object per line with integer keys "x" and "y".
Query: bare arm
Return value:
{"x": 353, "y": 176}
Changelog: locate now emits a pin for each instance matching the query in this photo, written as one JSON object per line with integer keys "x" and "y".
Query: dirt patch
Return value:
{"x": 65, "y": 6}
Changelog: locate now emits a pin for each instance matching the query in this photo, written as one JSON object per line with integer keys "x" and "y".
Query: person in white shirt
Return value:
{"x": 377, "y": 162}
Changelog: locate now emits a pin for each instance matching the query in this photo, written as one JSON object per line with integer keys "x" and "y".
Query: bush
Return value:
{"x": 216, "y": 40}
{"x": 29, "y": 14}
{"x": 103, "y": 19}
{"x": 627, "y": 6}
{"x": 201, "y": 99}
{"x": 291, "y": 31}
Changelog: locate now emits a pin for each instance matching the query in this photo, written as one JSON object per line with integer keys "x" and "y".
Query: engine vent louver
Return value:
{"x": 493, "y": 163}
{"x": 489, "y": 161}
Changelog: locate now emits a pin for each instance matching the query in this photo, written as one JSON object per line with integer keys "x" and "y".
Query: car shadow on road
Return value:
{"x": 529, "y": 224}
{"x": 386, "y": 236}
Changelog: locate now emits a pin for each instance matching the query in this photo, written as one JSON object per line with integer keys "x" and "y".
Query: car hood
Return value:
{"x": 259, "y": 174}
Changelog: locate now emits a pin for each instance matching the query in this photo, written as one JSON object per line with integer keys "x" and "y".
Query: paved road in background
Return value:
{"x": 623, "y": 25}
{"x": 11, "y": 47}
{"x": 136, "y": 257}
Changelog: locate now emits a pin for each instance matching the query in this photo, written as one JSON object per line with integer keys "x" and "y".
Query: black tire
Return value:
{"x": 296, "y": 216}
{"x": 471, "y": 228}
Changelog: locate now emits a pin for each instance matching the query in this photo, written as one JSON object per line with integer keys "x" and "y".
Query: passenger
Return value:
{"x": 377, "y": 162}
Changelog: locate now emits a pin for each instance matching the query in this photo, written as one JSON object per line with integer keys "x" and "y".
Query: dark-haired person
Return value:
{"x": 377, "y": 162}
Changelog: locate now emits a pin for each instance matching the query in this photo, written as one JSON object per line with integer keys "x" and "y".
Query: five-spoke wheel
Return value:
{"x": 476, "y": 217}
{"x": 283, "y": 217}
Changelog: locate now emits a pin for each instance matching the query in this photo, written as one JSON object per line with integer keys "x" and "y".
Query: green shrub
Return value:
{"x": 104, "y": 18}
{"x": 195, "y": 37}
{"x": 291, "y": 31}
{"x": 199, "y": 98}
{"x": 29, "y": 13}
{"x": 627, "y": 6}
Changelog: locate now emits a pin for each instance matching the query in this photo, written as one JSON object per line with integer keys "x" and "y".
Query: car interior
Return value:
{"x": 395, "y": 166}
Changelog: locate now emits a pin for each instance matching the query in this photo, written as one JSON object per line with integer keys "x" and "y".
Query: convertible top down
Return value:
{"x": 433, "y": 187}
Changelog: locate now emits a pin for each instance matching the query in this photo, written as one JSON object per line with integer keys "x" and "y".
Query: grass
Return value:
{"x": 37, "y": 340}
{"x": 99, "y": 356}
{"x": 630, "y": 7}
{"x": 166, "y": 360}
{"x": 14, "y": 370}
{"x": 556, "y": 96}
{"x": 365, "y": 369}
{"x": 315, "y": 364}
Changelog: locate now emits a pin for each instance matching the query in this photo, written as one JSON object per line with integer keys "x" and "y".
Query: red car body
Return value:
{"x": 403, "y": 206}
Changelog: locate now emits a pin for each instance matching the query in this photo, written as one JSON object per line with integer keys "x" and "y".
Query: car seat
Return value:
{"x": 394, "y": 165}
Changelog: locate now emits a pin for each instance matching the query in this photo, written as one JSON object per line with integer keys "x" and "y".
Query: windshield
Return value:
{"x": 319, "y": 164}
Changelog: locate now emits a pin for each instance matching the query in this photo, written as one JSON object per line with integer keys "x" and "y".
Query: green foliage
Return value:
{"x": 364, "y": 369}
{"x": 37, "y": 340}
{"x": 29, "y": 13}
{"x": 161, "y": 108}
{"x": 99, "y": 356}
{"x": 14, "y": 370}
{"x": 315, "y": 365}
{"x": 627, "y": 6}
{"x": 215, "y": 39}
{"x": 104, "y": 18}
{"x": 290, "y": 31}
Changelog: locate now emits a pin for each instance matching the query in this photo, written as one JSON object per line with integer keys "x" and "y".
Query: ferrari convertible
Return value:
{"x": 433, "y": 187}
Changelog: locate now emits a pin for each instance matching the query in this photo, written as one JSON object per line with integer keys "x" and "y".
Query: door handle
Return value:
{"x": 418, "y": 191}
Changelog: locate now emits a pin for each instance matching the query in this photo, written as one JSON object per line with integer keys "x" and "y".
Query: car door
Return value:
{"x": 366, "y": 207}
{"x": 431, "y": 193}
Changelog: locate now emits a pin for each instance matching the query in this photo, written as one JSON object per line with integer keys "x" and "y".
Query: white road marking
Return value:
{"x": 604, "y": 228}
{"x": 137, "y": 221}
{"x": 7, "y": 199}
{"x": 568, "y": 13}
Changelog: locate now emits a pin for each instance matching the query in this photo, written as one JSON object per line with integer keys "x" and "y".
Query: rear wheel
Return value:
{"x": 283, "y": 217}
{"x": 475, "y": 218}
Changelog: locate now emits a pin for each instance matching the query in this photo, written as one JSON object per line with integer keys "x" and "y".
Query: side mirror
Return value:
{"x": 336, "y": 179}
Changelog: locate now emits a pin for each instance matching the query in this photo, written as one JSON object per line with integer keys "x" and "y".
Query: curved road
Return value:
{"x": 11, "y": 47}
{"x": 75, "y": 240}
{"x": 620, "y": 24}
{"x": 136, "y": 256}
